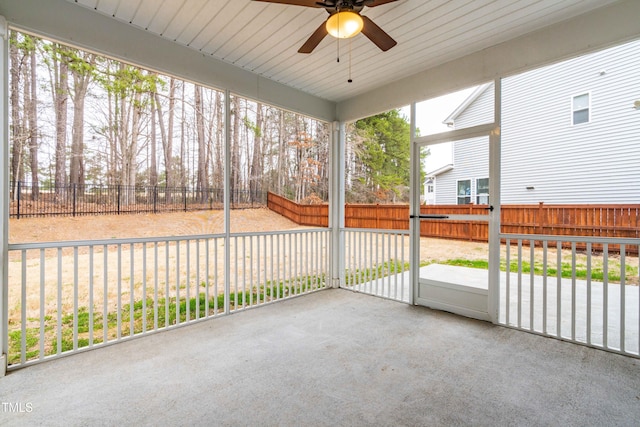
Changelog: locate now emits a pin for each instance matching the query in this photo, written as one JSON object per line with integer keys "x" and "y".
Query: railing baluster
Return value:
{"x": 119, "y": 308}
{"x": 187, "y": 284}
{"x": 623, "y": 294}
{"x": 545, "y": 247}
{"x": 519, "y": 283}
{"x": 206, "y": 279}
{"x": 144, "y": 288}
{"x": 155, "y": 285}
{"x": 131, "y": 290}
{"x": 573, "y": 290}
{"x": 59, "y": 307}
{"x": 23, "y": 307}
{"x": 507, "y": 281}
{"x": 75, "y": 298}
{"x": 531, "y": 284}
{"x": 253, "y": 259}
{"x": 559, "y": 289}
{"x": 105, "y": 295}
{"x": 216, "y": 277}
{"x": 605, "y": 295}
{"x": 91, "y": 296}
{"x": 42, "y": 303}
{"x": 177, "y": 320}
{"x": 589, "y": 253}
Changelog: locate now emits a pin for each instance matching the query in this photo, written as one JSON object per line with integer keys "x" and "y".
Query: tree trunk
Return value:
{"x": 153, "y": 168}
{"x": 81, "y": 80}
{"x": 16, "y": 122}
{"x": 202, "y": 180}
{"x": 61, "y": 95}
{"x": 256, "y": 170}
{"x": 33, "y": 128}
{"x": 235, "y": 149}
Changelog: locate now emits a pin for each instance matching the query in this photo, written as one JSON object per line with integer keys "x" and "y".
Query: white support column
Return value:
{"x": 227, "y": 201}
{"x": 336, "y": 203}
{"x": 495, "y": 151}
{"x": 414, "y": 209}
{"x": 4, "y": 193}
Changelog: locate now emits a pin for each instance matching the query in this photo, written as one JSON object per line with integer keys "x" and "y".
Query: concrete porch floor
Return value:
{"x": 331, "y": 358}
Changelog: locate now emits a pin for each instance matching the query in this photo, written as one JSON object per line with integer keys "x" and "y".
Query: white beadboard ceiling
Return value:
{"x": 263, "y": 38}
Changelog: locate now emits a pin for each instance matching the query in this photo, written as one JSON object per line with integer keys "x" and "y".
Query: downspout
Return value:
{"x": 4, "y": 195}
{"x": 336, "y": 204}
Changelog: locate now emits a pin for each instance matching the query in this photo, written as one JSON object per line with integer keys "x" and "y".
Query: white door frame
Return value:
{"x": 492, "y": 130}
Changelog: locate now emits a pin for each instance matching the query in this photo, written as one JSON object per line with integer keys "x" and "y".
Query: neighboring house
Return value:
{"x": 570, "y": 134}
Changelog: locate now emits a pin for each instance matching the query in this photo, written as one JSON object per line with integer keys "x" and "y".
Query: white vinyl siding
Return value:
{"x": 479, "y": 112}
{"x": 598, "y": 163}
{"x": 470, "y": 162}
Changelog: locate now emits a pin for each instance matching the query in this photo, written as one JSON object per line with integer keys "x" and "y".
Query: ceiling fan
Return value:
{"x": 344, "y": 22}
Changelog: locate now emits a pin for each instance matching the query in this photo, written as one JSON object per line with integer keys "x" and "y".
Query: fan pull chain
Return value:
{"x": 350, "y": 50}
{"x": 338, "y": 42}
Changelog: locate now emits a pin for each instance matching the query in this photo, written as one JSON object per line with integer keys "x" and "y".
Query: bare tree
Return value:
{"x": 202, "y": 182}
{"x": 82, "y": 67}
{"x": 32, "y": 112}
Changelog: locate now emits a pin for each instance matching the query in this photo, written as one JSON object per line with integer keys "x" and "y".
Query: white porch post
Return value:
{"x": 414, "y": 209}
{"x": 227, "y": 201}
{"x": 495, "y": 200}
{"x": 336, "y": 203}
{"x": 4, "y": 194}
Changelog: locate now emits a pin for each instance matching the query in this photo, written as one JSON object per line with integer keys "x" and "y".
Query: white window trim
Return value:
{"x": 588, "y": 93}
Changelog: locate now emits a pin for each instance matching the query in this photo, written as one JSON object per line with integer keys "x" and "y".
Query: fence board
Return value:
{"x": 561, "y": 220}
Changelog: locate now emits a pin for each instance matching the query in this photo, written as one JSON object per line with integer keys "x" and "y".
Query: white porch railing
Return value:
{"x": 67, "y": 297}
{"x": 377, "y": 262}
{"x": 588, "y": 296}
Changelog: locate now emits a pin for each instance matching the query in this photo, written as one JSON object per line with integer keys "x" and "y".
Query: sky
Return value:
{"x": 429, "y": 117}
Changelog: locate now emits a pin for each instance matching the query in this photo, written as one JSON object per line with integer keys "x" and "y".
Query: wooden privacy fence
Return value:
{"x": 315, "y": 215}
{"x": 602, "y": 220}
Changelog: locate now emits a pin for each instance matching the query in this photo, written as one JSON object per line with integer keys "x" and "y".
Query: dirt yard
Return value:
{"x": 55, "y": 229}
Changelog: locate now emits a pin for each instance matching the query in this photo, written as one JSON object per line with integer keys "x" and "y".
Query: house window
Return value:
{"x": 580, "y": 109}
{"x": 482, "y": 191}
{"x": 464, "y": 192}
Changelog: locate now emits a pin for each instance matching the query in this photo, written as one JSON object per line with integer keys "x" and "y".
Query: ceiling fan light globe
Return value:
{"x": 344, "y": 25}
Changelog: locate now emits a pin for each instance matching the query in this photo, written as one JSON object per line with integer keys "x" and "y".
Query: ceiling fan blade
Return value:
{"x": 308, "y": 3}
{"x": 374, "y": 3}
{"x": 377, "y": 35}
{"x": 314, "y": 40}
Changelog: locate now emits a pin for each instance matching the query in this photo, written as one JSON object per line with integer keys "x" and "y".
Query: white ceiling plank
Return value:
{"x": 218, "y": 22}
{"x": 184, "y": 18}
{"x": 126, "y": 9}
{"x": 165, "y": 15}
{"x": 88, "y": 3}
{"x": 263, "y": 38}
{"x": 108, "y": 7}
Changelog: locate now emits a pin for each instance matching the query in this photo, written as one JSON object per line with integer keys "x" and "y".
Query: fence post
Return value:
{"x": 19, "y": 191}
{"x": 184, "y": 196}
{"x": 540, "y": 227}
{"x": 118, "y": 196}
{"x": 74, "y": 198}
{"x": 155, "y": 199}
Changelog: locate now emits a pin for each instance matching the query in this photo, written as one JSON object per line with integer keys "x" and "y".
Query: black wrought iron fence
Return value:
{"x": 76, "y": 200}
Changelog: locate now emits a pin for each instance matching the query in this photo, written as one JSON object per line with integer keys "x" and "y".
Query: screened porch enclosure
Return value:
{"x": 69, "y": 297}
